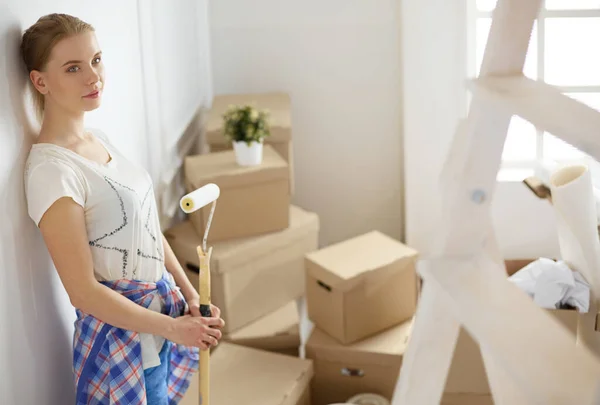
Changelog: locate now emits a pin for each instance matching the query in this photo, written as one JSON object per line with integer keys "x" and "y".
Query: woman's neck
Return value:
{"x": 62, "y": 127}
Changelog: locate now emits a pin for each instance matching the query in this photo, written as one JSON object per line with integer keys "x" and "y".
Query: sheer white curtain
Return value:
{"x": 175, "y": 56}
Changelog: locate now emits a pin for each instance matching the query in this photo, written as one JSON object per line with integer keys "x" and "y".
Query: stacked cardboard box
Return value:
{"x": 361, "y": 296}
{"x": 278, "y": 332}
{"x": 254, "y": 276}
{"x": 254, "y": 200}
{"x": 258, "y": 237}
{"x": 249, "y": 376}
{"x": 371, "y": 365}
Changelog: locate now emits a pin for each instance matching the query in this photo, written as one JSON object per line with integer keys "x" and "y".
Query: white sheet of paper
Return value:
{"x": 575, "y": 207}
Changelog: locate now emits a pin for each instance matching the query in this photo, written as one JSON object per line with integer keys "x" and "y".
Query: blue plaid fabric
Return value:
{"x": 107, "y": 361}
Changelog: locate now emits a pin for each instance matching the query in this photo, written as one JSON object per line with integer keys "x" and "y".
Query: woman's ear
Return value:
{"x": 39, "y": 81}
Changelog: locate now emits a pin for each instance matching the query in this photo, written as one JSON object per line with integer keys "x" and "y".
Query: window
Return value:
{"x": 562, "y": 52}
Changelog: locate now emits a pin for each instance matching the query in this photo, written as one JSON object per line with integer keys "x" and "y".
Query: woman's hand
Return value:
{"x": 216, "y": 323}
{"x": 198, "y": 331}
{"x": 194, "y": 309}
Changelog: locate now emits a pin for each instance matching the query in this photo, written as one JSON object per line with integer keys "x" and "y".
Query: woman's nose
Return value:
{"x": 93, "y": 77}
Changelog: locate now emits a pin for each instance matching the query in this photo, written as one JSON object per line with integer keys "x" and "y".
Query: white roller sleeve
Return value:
{"x": 199, "y": 198}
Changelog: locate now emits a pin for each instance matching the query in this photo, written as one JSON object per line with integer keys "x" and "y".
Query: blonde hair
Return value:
{"x": 38, "y": 42}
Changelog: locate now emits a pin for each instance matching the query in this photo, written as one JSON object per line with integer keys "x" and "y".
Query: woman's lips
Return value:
{"x": 92, "y": 95}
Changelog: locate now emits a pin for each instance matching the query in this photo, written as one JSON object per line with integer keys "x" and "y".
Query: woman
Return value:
{"x": 138, "y": 327}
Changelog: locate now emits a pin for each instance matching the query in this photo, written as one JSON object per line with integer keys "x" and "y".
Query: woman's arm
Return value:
{"x": 64, "y": 231}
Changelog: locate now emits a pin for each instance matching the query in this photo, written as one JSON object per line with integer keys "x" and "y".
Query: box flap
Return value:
{"x": 281, "y": 322}
{"x": 235, "y": 378}
{"x": 222, "y": 169}
{"x": 278, "y": 105}
{"x": 386, "y": 347}
{"x": 343, "y": 264}
{"x": 228, "y": 254}
{"x": 514, "y": 265}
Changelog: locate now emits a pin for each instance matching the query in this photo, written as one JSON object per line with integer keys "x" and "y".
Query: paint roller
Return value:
{"x": 190, "y": 203}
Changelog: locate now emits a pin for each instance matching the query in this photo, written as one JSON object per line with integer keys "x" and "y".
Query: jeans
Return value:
{"x": 156, "y": 378}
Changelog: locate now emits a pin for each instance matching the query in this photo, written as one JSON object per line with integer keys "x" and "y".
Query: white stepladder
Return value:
{"x": 529, "y": 358}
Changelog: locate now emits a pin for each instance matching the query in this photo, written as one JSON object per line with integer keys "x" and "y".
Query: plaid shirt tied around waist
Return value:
{"x": 107, "y": 361}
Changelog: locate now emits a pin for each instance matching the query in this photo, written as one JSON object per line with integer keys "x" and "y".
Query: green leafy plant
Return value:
{"x": 245, "y": 123}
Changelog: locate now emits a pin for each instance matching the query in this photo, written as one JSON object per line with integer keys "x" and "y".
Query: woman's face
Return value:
{"x": 74, "y": 76}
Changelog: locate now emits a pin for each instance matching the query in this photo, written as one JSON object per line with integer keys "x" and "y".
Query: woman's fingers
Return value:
{"x": 215, "y": 311}
{"x": 194, "y": 310}
{"x": 202, "y": 345}
{"x": 214, "y": 332}
{"x": 212, "y": 321}
{"x": 207, "y": 341}
{"x": 211, "y": 340}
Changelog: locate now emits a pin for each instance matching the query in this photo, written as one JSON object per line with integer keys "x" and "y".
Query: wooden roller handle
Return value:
{"x": 204, "y": 292}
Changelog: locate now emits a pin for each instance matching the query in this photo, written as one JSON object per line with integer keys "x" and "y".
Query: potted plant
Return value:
{"x": 246, "y": 127}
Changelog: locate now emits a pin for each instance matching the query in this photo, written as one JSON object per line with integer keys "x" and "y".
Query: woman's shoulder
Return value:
{"x": 49, "y": 160}
{"x": 41, "y": 153}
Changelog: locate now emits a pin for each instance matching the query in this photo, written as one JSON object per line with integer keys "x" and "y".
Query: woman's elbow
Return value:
{"x": 82, "y": 297}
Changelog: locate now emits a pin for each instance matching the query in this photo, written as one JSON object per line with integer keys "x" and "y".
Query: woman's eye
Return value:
{"x": 73, "y": 69}
{"x": 97, "y": 60}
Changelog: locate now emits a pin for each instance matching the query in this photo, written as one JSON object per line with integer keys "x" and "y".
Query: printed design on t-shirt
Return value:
{"x": 111, "y": 182}
{"x": 147, "y": 227}
{"x": 95, "y": 243}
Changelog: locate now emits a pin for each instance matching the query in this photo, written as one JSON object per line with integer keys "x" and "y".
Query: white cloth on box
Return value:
{"x": 553, "y": 285}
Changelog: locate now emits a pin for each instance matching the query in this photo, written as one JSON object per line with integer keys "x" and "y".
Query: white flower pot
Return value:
{"x": 248, "y": 155}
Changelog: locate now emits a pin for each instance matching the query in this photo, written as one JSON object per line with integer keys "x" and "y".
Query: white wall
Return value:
{"x": 35, "y": 314}
{"x": 340, "y": 62}
{"x": 434, "y": 40}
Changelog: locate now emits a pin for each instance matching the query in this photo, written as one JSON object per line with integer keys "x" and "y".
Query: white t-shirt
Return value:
{"x": 121, "y": 218}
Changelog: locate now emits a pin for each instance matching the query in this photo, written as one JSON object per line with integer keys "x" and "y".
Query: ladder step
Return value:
{"x": 545, "y": 107}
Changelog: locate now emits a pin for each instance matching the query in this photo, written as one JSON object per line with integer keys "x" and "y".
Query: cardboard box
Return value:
{"x": 254, "y": 276}
{"x": 361, "y": 286}
{"x": 277, "y": 332}
{"x": 370, "y": 365}
{"x": 243, "y": 375}
{"x": 280, "y": 121}
{"x": 254, "y": 200}
{"x": 467, "y": 376}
